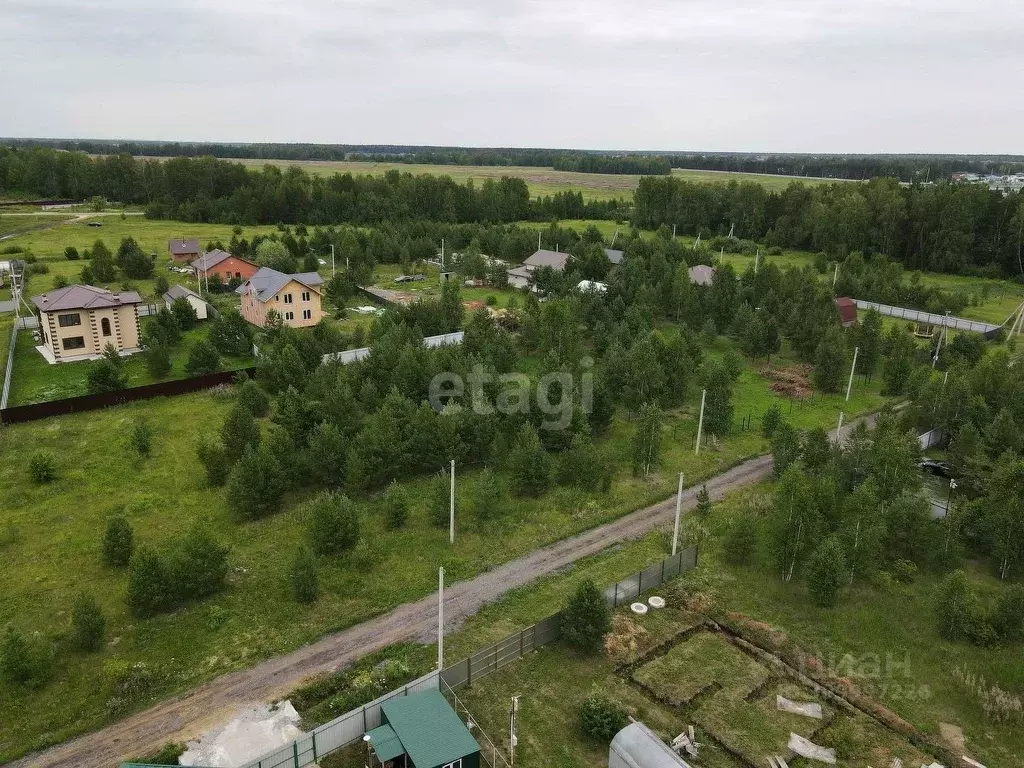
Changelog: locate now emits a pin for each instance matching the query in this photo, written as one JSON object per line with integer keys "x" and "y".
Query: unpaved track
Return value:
{"x": 186, "y": 716}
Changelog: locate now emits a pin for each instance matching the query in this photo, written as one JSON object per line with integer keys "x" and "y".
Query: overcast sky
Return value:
{"x": 780, "y": 75}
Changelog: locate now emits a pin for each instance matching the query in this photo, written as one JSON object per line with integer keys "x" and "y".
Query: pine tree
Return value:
{"x": 118, "y": 542}
{"x": 149, "y": 586}
{"x": 487, "y": 495}
{"x": 396, "y": 506}
{"x": 740, "y": 543}
{"x": 586, "y": 618}
{"x": 215, "y": 460}
{"x": 718, "y": 408}
{"x": 255, "y": 485}
{"x": 826, "y": 572}
{"x": 106, "y": 374}
{"x": 529, "y": 464}
{"x": 830, "y": 361}
{"x": 240, "y": 431}
{"x": 326, "y": 453}
{"x": 333, "y": 525}
{"x": 899, "y": 362}
{"x": 704, "y": 505}
{"x": 202, "y": 359}
{"x": 158, "y": 360}
{"x": 305, "y": 583}
{"x": 88, "y": 624}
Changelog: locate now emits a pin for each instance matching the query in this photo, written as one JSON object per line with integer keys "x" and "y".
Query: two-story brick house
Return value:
{"x": 297, "y": 298}
{"x": 77, "y": 322}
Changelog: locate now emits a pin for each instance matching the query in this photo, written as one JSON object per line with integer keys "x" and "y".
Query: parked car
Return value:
{"x": 936, "y": 467}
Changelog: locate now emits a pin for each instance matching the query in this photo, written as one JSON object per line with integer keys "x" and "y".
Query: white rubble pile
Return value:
{"x": 254, "y": 732}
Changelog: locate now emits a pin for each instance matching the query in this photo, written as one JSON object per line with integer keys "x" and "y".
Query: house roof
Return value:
{"x": 266, "y": 282}
{"x": 385, "y": 742}
{"x": 615, "y": 257}
{"x": 543, "y": 258}
{"x": 430, "y": 731}
{"x": 180, "y": 292}
{"x": 83, "y": 297}
{"x": 702, "y": 274}
{"x": 523, "y": 271}
{"x": 183, "y": 247}
{"x": 210, "y": 259}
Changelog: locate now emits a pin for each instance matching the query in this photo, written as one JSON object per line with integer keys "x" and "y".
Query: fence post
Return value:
{"x": 315, "y": 755}
{"x": 662, "y": 572}
{"x": 295, "y": 753}
{"x": 615, "y": 600}
{"x": 521, "y": 644}
{"x": 495, "y": 658}
{"x": 364, "y": 718}
{"x": 469, "y": 671}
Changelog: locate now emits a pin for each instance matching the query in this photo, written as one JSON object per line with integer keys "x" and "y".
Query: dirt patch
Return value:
{"x": 624, "y": 639}
{"x": 790, "y": 381}
{"x": 953, "y": 735}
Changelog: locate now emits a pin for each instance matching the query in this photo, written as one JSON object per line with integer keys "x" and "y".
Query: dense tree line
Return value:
{"x": 599, "y": 163}
{"x": 207, "y": 189}
{"x": 941, "y": 227}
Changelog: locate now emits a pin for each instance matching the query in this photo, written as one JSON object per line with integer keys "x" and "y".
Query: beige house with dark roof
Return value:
{"x": 297, "y": 298}
{"x": 78, "y": 321}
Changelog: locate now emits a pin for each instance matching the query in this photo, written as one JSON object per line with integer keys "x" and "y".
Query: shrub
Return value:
{"x": 25, "y": 660}
{"x": 396, "y": 506}
{"x": 42, "y": 467}
{"x": 71, "y": 253}
{"x": 959, "y": 612}
{"x": 826, "y": 572}
{"x": 202, "y": 359}
{"x": 740, "y": 543}
{"x": 59, "y": 281}
{"x": 582, "y": 465}
{"x": 141, "y": 437}
{"x": 158, "y": 360}
{"x": 107, "y": 373}
{"x": 118, "y": 543}
{"x": 149, "y": 586}
{"x": 231, "y": 334}
{"x": 215, "y": 460}
{"x": 486, "y": 495}
{"x": 252, "y": 397}
{"x": 491, "y": 300}
{"x": 529, "y": 464}
{"x": 601, "y": 718}
{"x": 772, "y": 419}
{"x": 586, "y": 618}
{"x": 333, "y": 525}
{"x": 255, "y": 485}
{"x": 88, "y": 624}
{"x": 160, "y": 285}
{"x": 1008, "y": 617}
{"x": 196, "y": 565}
{"x": 439, "y": 499}
{"x": 126, "y": 683}
{"x": 305, "y": 586}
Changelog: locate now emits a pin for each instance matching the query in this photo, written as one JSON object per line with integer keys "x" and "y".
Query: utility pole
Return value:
{"x": 512, "y": 739}
{"x": 839, "y": 429}
{"x": 835, "y": 275}
{"x": 679, "y": 505}
{"x": 451, "y": 515}
{"x": 673, "y": 231}
{"x": 440, "y": 618}
{"x": 757, "y": 260}
{"x": 849, "y": 385}
{"x": 700, "y": 424}
{"x": 332, "y": 260}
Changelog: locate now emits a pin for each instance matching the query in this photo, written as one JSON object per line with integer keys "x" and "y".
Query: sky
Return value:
{"x": 718, "y": 75}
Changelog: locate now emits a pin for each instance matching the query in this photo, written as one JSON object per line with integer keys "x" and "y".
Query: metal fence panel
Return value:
{"x": 651, "y": 576}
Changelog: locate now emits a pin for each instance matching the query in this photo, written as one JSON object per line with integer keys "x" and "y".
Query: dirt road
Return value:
{"x": 186, "y": 716}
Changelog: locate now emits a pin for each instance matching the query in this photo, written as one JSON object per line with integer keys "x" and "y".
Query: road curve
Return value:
{"x": 214, "y": 703}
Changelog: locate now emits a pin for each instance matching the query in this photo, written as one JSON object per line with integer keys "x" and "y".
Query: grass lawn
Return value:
{"x": 12, "y": 223}
{"x": 34, "y": 380}
{"x": 55, "y": 530}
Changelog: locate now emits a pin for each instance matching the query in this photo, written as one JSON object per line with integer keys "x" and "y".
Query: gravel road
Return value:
{"x": 187, "y": 715}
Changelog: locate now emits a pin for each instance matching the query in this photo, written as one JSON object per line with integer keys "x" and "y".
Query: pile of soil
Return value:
{"x": 790, "y": 381}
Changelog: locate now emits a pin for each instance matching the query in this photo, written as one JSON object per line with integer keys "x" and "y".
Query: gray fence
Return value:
{"x": 931, "y": 318}
{"x": 9, "y": 367}
{"x": 931, "y": 437}
{"x": 340, "y": 732}
{"x": 514, "y": 647}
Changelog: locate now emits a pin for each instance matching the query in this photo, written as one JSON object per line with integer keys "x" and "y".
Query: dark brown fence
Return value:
{"x": 22, "y": 413}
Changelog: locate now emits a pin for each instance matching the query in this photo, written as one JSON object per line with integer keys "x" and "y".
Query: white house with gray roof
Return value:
{"x": 181, "y": 292}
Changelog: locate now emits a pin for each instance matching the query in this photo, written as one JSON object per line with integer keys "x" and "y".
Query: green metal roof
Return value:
{"x": 429, "y": 729}
{"x": 385, "y": 742}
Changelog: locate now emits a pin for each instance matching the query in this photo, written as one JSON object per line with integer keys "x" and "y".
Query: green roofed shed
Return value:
{"x": 423, "y": 727}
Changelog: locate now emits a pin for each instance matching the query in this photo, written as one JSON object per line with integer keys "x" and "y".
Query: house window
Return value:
{"x": 74, "y": 342}
{"x": 65, "y": 321}
{"x": 287, "y": 298}
{"x": 307, "y": 314}
{"x": 456, "y": 764}
{"x": 289, "y": 315}
{"x": 238, "y": 275}
{"x": 305, "y": 295}
{"x": 105, "y": 325}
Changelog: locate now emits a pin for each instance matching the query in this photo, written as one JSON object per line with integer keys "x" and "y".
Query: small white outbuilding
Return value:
{"x": 181, "y": 292}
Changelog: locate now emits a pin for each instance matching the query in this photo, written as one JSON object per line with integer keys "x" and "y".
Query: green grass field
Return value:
{"x": 11, "y": 223}
{"x": 34, "y": 380}
{"x": 55, "y": 530}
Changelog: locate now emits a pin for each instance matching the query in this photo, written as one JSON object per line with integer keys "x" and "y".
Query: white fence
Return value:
{"x": 919, "y": 316}
{"x": 355, "y": 355}
{"x": 340, "y": 732}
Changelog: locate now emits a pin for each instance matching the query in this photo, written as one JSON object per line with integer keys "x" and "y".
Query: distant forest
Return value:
{"x": 944, "y": 227}
{"x": 830, "y": 166}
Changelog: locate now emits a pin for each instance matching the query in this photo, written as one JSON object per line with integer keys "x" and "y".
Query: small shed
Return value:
{"x": 702, "y": 274}
{"x": 421, "y": 730}
{"x": 181, "y": 292}
{"x": 847, "y": 309}
{"x": 636, "y": 746}
{"x": 185, "y": 249}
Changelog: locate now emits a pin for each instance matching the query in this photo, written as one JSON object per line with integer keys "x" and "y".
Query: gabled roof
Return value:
{"x": 552, "y": 259}
{"x": 702, "y": 274}
{"x": 523, "y": 271}
{"x": 180, "y": 292}
{"x": 83, "y": 297}
{"x": 615, "y": 257}
{"x": 183, "y": 247}
{"x": 430, "y": 731}
{"x": 266, "y": 282}
{"x": 210, "y": 259}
